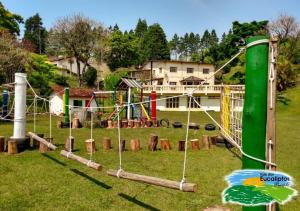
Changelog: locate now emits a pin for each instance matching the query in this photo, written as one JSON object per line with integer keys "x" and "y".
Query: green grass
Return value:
{"x": 35, "y": 181}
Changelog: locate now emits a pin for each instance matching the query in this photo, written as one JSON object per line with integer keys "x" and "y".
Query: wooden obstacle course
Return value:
{"x": 12, "y": 147}
{"x": 187, "y": 187}
{"x": 206, "y": 142}
{"x": 153, "y": 141}
{"x": 195, "y": 144}
{"x": 2, "y": 143}
{"x": 165, "y": 144}
{"x": 69, "y": 144}
{"x": 181, "y": 145}
{"x": 90, "y": 146}
{"x": 42, "y": 140}
{"x": 135, "y": 145}
{"x": 82, "y": 160}
{"x": 106, "y": 143}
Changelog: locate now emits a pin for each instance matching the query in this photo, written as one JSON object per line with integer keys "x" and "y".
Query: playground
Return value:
{"x": 186, "y": 155}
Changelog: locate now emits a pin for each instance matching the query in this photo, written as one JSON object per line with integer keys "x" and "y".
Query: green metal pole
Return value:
{"x": 67, "y": 110}
{"x": 255, "y": 107}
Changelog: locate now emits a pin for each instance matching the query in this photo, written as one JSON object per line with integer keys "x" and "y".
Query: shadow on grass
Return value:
{"x": 138, "y": 202}
{"x": 54, "y": 159}
{"x": 97, "y": 182}
{"x": 284, "y": 100}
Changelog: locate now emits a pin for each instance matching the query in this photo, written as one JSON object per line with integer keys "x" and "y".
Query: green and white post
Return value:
{"x": 66, "y": 105}
{"x": 255, "y": 106}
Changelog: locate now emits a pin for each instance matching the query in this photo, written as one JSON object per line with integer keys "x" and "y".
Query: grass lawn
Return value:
{"x": 35, "y": 181}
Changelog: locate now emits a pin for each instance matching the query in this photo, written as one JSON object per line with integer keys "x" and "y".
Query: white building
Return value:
{"x": 174, "y": 78}
{"x": 78, "y": 97}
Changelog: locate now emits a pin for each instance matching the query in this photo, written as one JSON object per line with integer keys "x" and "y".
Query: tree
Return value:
{"x": 283, "y": 27}
{"x": 156, "y": 44}
{"x": 9, "y": 21}
{"x": 174, "y": 46}
{"x": 141, "y": 28}
{"x": 12, "y": 57}
{"x": 90, "y": 76}
{"x": 124, "y": 50}
{"x": 111, "y": 80}
{"x": 78, "y": 36}
{"x": 36, "y": 33}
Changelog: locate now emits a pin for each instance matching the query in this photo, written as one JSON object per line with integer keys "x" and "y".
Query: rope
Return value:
{"x": 91, "y": 154}
{"x": 34, "y": 115}
{"x": 186, "y": 140}
{"x": 70, "y": 129}
{"x": 50, "y": 124}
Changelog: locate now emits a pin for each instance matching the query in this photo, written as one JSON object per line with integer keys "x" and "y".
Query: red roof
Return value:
{"x": 74, "y": 92}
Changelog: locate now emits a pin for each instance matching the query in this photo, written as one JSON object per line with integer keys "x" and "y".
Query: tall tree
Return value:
{"x": 123, "y": 50}
{"x": 174, "y": 46}
{"x": 36, "y": 33}
{"x": 156, "y": 43}
{"x": 10, "y": 21}
{"x": 78, "y": 35}
{"x": 141, "y": 28}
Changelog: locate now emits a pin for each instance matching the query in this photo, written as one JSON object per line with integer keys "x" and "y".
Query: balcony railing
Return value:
{"x": 178, "y": 89}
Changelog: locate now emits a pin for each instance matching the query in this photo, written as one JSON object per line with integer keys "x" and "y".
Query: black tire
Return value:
{"x": 164, "y": 123}
{"x": 194, "y": 126}
{"x": 210, "y": 126}
{"x": 177, "y": 124}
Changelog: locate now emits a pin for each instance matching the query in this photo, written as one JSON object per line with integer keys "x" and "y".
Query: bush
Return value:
{"x": 90, "y": 76}
{"x": 61, "y": 80}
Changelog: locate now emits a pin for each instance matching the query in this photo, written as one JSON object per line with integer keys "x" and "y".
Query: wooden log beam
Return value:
{"x": 82, "y": 160}
{"x": 187, "y": 187}
{"x": 36, "y": 137}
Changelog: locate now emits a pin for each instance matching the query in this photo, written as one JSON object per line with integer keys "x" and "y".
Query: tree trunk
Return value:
{"x": 205, "y": 141}
{"x": 12, "y": 147}
{"x": 135, "y": 145}
{"x": 35, "y": 142}
{"x": 122, "y": 145}
{"x": 90, "y": 146}
{"x": 165, "y": 144}
{"x": 78, "y": 72}
{"x": 195, "y": 144}
{"x": 69, "y": 145}
{"x": 106, "y": 143}
{"x": 181, "y": 145}
{"x": 153, "y": 142}
{"x": 2, "y": 141}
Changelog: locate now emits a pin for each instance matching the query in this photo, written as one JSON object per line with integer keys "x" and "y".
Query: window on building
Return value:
{"x": 172, "y": 83}
{"x": 173, "y": 69}
{"x": 77, "y": 103}
{"x": 193, "y": 103}
{"x": 205, "y": 71}
{"x": 189, "y": 70}
{"x": 172, "y": 102}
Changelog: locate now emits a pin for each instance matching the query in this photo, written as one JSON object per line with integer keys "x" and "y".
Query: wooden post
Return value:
{"x": 106, "y": 143}
{"x": 2, "y": 143}
{"x": 76, "y": 123}
{"x": 271, "y": 117}
{"x": 137, "y": 123}
{"x": 135, "y": 145}
{"x": 188, "y": 187}
{"x": 165, "y": 144}
{"x": 181, "y": 145}
{"x": 115, "y": 124}
{"x": 130, "y": 123}
{"x": 195, "y": 144}
{"x": 69, "y": 144}
{"x": 12, "y": 147}
{"x": 153, "y": 142}
{"x": 81, "y": 160}
{"x": 205, "y": 141}
{"x": 149, "y": 123}
{"x": 90, "y": 146}
{"x": 125, "y": 123}
{"x": 213, "y": 140}
{"x": 43, "y": 148}
{"x": 109, "y": 124}
{"x": 59, "y": 124}
{"x": 35, "y": 142}
{"x": 122, "y": 146}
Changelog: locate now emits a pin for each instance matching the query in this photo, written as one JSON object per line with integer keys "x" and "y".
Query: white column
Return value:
{"x": 128, "y": 102}
{"x": 20, "y": 105}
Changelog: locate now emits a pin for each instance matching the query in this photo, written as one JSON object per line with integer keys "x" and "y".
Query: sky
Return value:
{"x": 175, "y": 16}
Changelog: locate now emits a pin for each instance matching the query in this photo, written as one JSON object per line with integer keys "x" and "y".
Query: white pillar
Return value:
{"x": 20, "y": 106}
{"x": 128, "y": 102}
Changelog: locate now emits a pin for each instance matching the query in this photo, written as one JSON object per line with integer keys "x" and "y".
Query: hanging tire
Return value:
{"x": 210, "y": 126}
{"x": 177, "y": 124}
{"x": 194, "y": 126}
{"x": 164, "y": 123}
